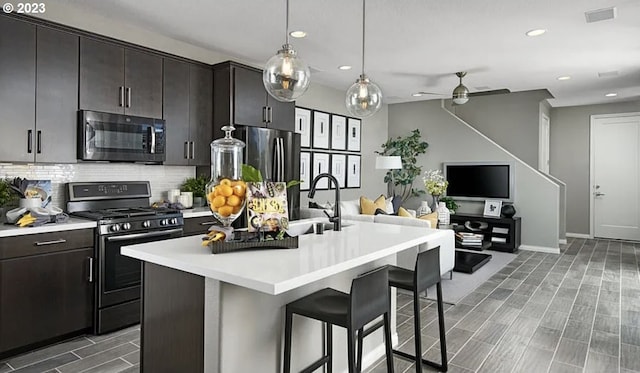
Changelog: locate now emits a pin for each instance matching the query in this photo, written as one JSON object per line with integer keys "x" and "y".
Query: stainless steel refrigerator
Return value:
{"x": 276, "y": 154}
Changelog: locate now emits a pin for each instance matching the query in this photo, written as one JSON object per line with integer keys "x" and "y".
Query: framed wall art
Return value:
{"x": 338, "y": 132}
{"x": 321, "y": 165}
{"x": 305, "y": 170}
{"x": 353, "y": 171}
{"x": 320, "y": 130}
{"x": 339, "y": 168}
{"x": 303, "y": 126}
{"x": 353, "y": 135}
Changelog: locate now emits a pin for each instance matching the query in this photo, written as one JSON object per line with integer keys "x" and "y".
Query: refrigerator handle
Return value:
{"x": 282, "y": 158}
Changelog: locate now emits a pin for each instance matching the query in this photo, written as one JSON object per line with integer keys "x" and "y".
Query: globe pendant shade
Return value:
{"x": 460, "y": 94}
{"x": 286, "y": 77}
{"x": 364, "y": 98}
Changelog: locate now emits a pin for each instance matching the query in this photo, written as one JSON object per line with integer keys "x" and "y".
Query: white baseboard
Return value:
{"x": 374, "y": 355}
{"x": 562, "y": 241}
{"x": 541, "y": 249}
{"x": 579, "y": 235}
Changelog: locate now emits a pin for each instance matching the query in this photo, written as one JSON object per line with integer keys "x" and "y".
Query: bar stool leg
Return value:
{"x": 417, "y": 336}
{"x": 443, "y": 342}
{"x": 359, "y": 359}
{"x": 387, "y": 341}
{"x": 287, "y": 341}
{"x": 351, "y": 348}
{"x": 329, "y": 347}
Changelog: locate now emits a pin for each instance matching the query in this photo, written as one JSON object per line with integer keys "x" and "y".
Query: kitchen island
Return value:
{"x": 224, "y": 312}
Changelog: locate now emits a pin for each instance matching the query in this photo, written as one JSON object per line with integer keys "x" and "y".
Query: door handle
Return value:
{"x": 264, "y": 114}
{"x": 598, "y": 194}
{"x": 270, "y": 114}
{"x": 39, "y": 141}
{"x": 193, "y": 150}
{"x": 121, "y": 96}
{"x": 128, "y": 96}
{"x": 152, "y": 137}
{"x": 29, "y": 141}
{"x": 90, "y": 277}
{"x": 186, "y": 150}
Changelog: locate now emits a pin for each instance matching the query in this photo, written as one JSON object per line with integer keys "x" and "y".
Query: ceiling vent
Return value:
{"x": 608, "y": 74}
{"x": 600, "y": 14}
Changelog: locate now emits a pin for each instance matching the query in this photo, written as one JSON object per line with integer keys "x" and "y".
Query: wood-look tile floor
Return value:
{"x": 574, "y": 312}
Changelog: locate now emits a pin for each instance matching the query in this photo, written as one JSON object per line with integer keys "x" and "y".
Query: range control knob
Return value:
{"x": 114, "y": 228}
{"x": 164, "y": 222}
{"x": 174, "y": 221}
{"x": 146, "y": 224}
{"x": 126, "y": 226}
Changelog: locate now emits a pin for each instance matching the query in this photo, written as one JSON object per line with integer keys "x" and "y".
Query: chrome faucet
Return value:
{"x": 335, "y": 219}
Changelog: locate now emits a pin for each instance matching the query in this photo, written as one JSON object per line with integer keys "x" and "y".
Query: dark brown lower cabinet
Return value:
{"x": 198, "y": 225}
{"x": 44, "y": 297}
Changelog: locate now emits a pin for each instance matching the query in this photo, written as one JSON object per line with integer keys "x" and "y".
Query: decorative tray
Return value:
{"x": 243, "y": 240}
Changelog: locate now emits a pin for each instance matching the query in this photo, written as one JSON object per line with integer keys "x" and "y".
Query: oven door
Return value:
{"x": 120, "y": 276}
{"x": 114, "y": 137}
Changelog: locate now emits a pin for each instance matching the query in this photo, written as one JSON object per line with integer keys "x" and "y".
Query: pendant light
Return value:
{"x": 460, "y": 93}
{"x": 364, "y": 97}
{"x": 285, "y": 76}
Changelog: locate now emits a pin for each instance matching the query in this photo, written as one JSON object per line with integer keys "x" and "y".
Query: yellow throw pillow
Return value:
{"x": 368, "y": 207}
{"x": 403, "y": 212}
{"x": 433, "y": 219}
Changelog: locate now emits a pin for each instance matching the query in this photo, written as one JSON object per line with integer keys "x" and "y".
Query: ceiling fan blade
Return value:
{"x": 491, "y": 92}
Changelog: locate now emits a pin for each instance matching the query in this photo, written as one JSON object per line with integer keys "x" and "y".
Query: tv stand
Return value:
{"x": 500, "y": 234}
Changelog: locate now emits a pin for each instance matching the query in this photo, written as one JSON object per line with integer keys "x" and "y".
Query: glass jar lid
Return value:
{"x": 227, "y": 142}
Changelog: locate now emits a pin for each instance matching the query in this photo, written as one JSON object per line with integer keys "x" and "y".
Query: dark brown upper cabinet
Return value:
{"x": 239, "y": 98}
{"x": 122, "y": 80}
{"x": 188, "y": 111}
{"x": 38, "y": 97}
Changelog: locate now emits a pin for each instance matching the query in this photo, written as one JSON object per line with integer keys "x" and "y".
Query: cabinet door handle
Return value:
{"x": 209, "y": 223}
{"x": 29, "y": 141}
{"x": 270, "y": 114}
{"x": 53, "y": 242}
{"x": 186, "y": 150}
{"x": 121, "y": 96}
{"x": 128, "y": 96}
{"x": 264, "y": 114}
{"x": 193, "y": 150}
{"x": 39, "y": 141}
{"x": 90, "y": 278}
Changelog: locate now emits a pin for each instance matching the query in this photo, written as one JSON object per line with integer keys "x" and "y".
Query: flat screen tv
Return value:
{"x": 479, "y": 181}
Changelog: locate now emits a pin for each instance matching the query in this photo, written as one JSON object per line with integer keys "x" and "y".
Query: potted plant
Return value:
{"x": 7, "y": 196}
{"x": 197, "y": 186}
{"x": 450, "y": 203}
{"x": 408, "y": 148}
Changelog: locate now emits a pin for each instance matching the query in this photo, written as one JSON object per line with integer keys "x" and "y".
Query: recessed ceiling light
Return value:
{"x": 344, "y": 67}
{"x": 612, "y": 94}
{"x": 298, "y": 34}
{"x": 417, "y": 94}
{"x": 536, "y": 32}
{"x": 565, "y": 77}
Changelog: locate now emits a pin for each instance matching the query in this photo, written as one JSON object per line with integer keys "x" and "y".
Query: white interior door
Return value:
{"x": 543, "y": 149}
{"x": 615, "y": 188}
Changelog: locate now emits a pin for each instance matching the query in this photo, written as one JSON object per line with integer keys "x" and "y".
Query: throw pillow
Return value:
{"x": 368, "y": 207}
{"x": 433, "y": 219}
{"x": 388, "y": 203}
{"x": 397, "y": 203}
{"x": 403, "y": 212}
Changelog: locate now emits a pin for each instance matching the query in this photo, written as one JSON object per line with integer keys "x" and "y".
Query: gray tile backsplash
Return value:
{"x": 162, "y": 178}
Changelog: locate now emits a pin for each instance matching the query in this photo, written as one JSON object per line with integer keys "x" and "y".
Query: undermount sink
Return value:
{"x": 308, "y": 227}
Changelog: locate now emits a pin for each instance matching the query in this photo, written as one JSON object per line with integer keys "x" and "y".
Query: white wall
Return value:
{"x": 450, "y": 139}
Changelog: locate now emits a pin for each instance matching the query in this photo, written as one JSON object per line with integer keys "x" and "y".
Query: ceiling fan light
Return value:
{"x": 364, "y": 98}
{"x": 460, "y": 95}
{"x": 285, "y": 76}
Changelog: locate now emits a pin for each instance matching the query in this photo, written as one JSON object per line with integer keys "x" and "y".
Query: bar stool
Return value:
{"x": 426, "y": 274}
{"x": 366, "y": 301}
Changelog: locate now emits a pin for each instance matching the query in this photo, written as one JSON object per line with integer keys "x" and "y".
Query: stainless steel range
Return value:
{"x": 124, "y": 218}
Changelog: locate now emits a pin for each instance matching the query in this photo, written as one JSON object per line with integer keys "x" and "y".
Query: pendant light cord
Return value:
{"x": 286, "y": 31}
{"x": 363, "y": 32}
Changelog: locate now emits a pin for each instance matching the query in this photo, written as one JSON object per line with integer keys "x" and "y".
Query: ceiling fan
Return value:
{"x": 461, "y": 93}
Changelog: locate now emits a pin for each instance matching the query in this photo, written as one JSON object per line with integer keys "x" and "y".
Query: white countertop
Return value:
{"x": 7, "y": 230}
{"x": 196, "y": 212}
{"x": 276, "y": 271}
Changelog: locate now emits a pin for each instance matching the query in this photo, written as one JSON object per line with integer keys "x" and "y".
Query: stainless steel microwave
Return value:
{"x": 120, "y": 138}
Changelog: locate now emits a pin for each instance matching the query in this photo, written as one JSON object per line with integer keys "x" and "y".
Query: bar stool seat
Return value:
{"x": 368, "y": 299}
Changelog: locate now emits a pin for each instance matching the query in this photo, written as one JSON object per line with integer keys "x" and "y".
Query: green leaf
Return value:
{"x": 291, "y": 183}
{"x": 250, "y": 174}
